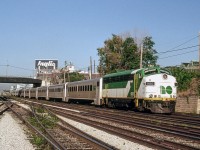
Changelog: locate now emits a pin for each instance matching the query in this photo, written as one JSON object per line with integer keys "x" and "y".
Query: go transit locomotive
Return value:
{"x": 152, "y": 89}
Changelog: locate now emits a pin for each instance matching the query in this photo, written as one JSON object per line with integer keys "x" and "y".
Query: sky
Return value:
{"x": 72, "y": 30}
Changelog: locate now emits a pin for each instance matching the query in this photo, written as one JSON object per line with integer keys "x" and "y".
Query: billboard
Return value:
{"x": 46, "y": 64}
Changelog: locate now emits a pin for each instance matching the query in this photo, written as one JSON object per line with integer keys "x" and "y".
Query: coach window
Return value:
{"x": 90, "y": 87}
{"x": 97, "y": 84}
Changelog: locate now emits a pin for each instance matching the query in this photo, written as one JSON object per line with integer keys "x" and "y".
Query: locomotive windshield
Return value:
{"x": 150, "y": 72}
{"x": 155, "y": 71}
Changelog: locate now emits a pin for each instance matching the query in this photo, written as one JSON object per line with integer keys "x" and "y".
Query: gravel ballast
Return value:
{"x": 12, "y": 135}
{"x": 113, "y": 140}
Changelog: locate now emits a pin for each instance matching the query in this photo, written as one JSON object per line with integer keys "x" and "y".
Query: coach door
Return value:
{"x": 65, "y": 93}
{"x": 97, "y": 93}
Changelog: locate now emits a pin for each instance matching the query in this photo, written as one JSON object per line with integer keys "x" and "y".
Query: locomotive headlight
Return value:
{"x": 165, "y": 76}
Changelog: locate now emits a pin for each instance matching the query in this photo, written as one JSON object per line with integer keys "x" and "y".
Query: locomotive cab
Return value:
{"x": 157, "y": 91}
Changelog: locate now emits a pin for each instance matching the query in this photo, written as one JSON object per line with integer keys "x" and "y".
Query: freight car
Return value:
{"x": 152, "y": 89}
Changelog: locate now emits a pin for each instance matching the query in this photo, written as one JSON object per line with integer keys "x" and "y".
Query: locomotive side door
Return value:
{"x": 136, "y": 78}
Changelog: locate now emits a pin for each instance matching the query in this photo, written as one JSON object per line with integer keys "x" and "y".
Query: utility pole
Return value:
{"x": 199, "y": 51}
{"x": 90, "y": 67}
{"x": 64, "y": 70}
{"x": 141, "y": 52}
{"x": 94, "y": 67}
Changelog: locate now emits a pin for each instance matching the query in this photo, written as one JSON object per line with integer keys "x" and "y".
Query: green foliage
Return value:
{"x": 38, "y": 141}
{"x": 149, "y": 57}
{"x": 130, "y": 55}
{"x": 183, "y": 77}
{"x": 124, "y": 54}
{"x": 71, "y": 77}
{"x": 110, "y": 55}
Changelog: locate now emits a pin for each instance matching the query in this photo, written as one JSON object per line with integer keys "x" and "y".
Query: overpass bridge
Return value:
{"x": 35, "y": 82}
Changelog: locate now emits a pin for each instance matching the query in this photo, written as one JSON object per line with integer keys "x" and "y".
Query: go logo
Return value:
{"x": 164, "y": 90}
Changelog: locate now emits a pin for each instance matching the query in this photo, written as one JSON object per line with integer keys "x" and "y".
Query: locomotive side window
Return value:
{"x": 118, "y": 78}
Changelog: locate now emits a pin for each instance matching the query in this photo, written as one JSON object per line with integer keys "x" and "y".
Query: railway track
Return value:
{"x": 116, "y": 118}
{"x": 62, "y": 135}
{"x": 71, "y": 138}
{"x": 125, "y": 131}
{"x": 3, "y": 108}
{"x": 187, "y": 119}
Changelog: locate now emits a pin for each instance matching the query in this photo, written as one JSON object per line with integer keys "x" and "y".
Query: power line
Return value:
{"x": 174, "y": 48}
{"x": 17, "y": 67}
{"x": 178, "y": 54}
{"x": 177, "y": 49}
{"x": 186, "y": 42}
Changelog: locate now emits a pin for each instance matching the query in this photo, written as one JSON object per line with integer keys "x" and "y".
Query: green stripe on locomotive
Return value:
{"x": 133, "y": 77}
{"x": 120, "y": 80}
{"x": 117, "y": 80}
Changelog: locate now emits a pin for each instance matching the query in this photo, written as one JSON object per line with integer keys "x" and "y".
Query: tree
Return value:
{"x": 110, "y": 55}
{"x": 183, "y": 77}
{"x": 74, "y": 76}
{"x": 130, "y": 55}
{"x": 123, "y": 54}
{"x": 149, "y": 54}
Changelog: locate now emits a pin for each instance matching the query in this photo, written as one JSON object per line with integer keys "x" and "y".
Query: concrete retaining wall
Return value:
{"x": 188, "y": 104}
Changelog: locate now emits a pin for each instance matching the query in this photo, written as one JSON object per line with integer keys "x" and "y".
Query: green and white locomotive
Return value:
{"x": 152, "y": 89}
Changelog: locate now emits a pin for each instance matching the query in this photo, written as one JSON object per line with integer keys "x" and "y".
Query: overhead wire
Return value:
{"x": 177, "y": 49}
{"x": 184, "y": 43}
{"x": 178, "y": 54}
{"x": 17, "y": 67}
{"x": 180, "y": 49}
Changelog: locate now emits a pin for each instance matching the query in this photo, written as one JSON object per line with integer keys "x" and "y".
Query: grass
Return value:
{"x": 48, "y": 121}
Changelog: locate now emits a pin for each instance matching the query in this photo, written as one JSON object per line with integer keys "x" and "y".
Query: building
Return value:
{"x": 192, "y": 65}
